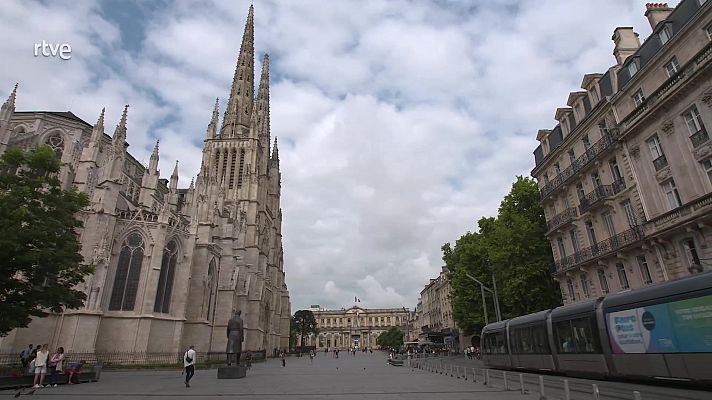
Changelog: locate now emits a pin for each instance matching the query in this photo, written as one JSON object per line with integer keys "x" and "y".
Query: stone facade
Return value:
{"x": 171, "y": 264}
{"x": 434, "y": 312}
{"x": 626, "y": 174}
{"x": 356, "y": 326}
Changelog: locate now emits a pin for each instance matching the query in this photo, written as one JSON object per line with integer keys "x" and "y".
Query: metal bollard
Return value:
{"x": 504, "y": 377}
{"x": 542, "y": 394}
{"x": 487, "y": 379}
{"x": 457, "y": 372}
{"x": 636, "y": 395}
{"x": 521, "y": 383}
{"x": 474, "y": 375}
{"x": 596, "y": 394}
{"x": 567, "y": 392}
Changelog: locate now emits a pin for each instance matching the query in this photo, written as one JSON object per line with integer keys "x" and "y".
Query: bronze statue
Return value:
{"x": 235, "y": 337}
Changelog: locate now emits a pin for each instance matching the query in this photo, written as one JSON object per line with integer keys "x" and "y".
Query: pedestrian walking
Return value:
{"x": 55, "y": 365}
{"x": 25, "y": 356}
{"x": 284, "y": 360}
{"x": 41, "y": 366}
{"x": 189, "y": 364}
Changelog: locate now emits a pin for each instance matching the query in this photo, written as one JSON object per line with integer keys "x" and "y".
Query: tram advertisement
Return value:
{"x": 683, "y": 326}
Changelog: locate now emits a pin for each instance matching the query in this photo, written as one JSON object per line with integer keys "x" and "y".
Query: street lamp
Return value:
{"x": 494, "y": 294}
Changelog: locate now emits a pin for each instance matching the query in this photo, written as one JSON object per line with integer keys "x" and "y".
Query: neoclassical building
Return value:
{"x": 170, "y": 263}
{"x": 356, "y": 326}
{"x": 625, "y": 176}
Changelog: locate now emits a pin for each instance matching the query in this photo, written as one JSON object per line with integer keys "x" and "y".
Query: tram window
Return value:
{"x": 577, "y": 336}
{"x": 529, "y": 340}
{"x": 495, "y": 343}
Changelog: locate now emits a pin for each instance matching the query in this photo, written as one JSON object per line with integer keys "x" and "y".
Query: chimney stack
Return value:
{"x": 626, "y": 42}
{"x": 656, "y": 13}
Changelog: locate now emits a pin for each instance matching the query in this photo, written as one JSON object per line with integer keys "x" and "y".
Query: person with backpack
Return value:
{"x": 189, "y": 364}
{"x": 25, "y": 356}
{"x": 55, "y": 365}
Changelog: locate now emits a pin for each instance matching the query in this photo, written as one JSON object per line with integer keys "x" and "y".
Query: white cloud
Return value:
{"x": 400, "y": 123}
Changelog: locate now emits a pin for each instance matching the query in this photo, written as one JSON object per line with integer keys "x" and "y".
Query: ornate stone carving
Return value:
{"x": 664, "y": 174}
{"x": 668, "y": 127}
{"x": 635, "y": 151}
{"x": 707, "y": 99}
{"x": 703, "y": 152}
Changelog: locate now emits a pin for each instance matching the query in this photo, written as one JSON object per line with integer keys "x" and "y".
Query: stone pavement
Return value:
{"x": 353, "y": 378}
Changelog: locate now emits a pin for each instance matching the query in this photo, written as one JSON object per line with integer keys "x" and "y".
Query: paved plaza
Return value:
{"x": 364, "y": 376}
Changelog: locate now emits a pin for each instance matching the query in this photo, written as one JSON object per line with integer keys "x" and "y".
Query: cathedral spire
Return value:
{"x": 213, "y": 125}
{"x": 153, "y": 162}
{"x": 9, "y": 106}
{"x": 119, "y": 137}
{"x": 98, "y": 129}
{"x": 263, "y": 122}
{"x": 275, "y": 152}
{"x": 239, "y": 105}
{"x": 174, "y": 179}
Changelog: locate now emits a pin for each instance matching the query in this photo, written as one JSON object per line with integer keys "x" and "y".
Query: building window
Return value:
{"x": 572, "y": 157}
{"x": 56, "y": 142}
{"x": 546, "y": 178}
{"x": 579, "y": 192}
{"x": 693, "y": 258}
{"x": 622, "y": 276}
{"x": 656, "y": 153}
{"x": 584, "y": 285}
{"x": 644, "y": 270}
{"x": 672, "y": 67}
{"x": 165, "y": 278}
{"x": 630, "y": 213}
{"x": 603, "y": 281}
{"x": 557, "y": 169}
{"x": 574, "y": 240}
{"x": 671, "y": 193}
{"x": 615, "y": 171}
{"x": 570, "y": 285}
{"x": 594, "y": 96}
{"x": 707, "y": 164}
{"x": 708, "y": 32}
{"x": 633, "y": 68}
{"x": 609, "y": 224}
{"x": 562, "y": 250}
{"x": 128, "y": 273}
{"x": 665, "y": 34}
{"x": 586, "y": 142}
{"x": 638, "y": 98}
{"x": 591, "y": 233}
{"x": 211, "y": 286}
{"x": 595, "y": 179}
{"x": 695, "y": 127}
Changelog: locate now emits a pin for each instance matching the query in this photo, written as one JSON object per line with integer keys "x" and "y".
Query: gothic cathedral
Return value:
{"x": 170, "y": 264}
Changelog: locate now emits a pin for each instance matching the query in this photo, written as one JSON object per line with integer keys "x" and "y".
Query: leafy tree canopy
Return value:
{"x": 303, "y": 323}
{"x": 390, "y": 338}
{"x": 513, "y": 248}
{"x": 39, "y": 248}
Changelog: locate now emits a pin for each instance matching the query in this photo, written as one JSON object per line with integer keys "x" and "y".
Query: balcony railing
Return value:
{"x": 599, "y": 193}
{"x": 660, "y": 162}
{"x": 675, "y": 216}
{"x": 589, "y": 155}
{"x": 699, "y": 137}
{"x": 609, "y": 245}
{"x": 562, "y": 218}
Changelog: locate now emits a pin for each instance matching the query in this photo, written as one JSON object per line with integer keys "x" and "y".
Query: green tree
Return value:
{"x": 390, "y": 338}
{"x": 511, "y": 247}
{"x": 304, "y": 324}
{"x": 39, "y": 249}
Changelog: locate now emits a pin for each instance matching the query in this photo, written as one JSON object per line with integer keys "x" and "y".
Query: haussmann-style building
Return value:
{"x": 171, "y": 263}
{"x": 626, "y": 174}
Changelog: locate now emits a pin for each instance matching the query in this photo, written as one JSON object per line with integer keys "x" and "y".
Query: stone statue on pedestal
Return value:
{"x": 235, "y": 337}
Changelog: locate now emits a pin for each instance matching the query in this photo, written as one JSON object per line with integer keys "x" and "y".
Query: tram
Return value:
{"x": 661, "y": 332}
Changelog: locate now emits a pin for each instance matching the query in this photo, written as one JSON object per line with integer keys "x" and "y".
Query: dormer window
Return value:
{"x": 665, "y": 34}
{"x": 594, "y": 96}
{"x": 633, "y": 68}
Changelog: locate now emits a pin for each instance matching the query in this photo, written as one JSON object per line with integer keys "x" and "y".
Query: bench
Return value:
{"x": 26, "y": 380}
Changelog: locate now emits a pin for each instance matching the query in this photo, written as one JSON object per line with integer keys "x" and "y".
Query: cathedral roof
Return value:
{"x": 63, "y": 114}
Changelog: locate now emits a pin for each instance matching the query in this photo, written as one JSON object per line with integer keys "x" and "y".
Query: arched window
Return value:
{"x": 211, "y": 286}
{"x": 56, "y": 142}
{"x": 165, "y": 279}
{"x": 128, "y": 273}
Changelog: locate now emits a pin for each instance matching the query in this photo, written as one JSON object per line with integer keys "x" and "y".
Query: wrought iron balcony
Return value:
{"x": 701, "y": 205}
{"x": 604, "y": 247}
{"x": 562, "y": 218}
{"x": 660, "y": 162}
{"x": 589, "y": 155}
{"x": 599, "y": 193}
{"x": 699, "y": 137}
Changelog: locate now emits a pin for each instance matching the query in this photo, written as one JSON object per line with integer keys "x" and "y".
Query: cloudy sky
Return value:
{"x": 400, "y": 122}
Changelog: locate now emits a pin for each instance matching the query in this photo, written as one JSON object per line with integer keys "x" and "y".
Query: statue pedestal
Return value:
{"x": 232, "y": 372}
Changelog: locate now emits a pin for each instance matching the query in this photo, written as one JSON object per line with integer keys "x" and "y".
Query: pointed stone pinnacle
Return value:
{"x": 123, "y": 116}
{"x": 155, "y": 148}
{"x": 13, "y": 95}
{"x": 175, "y": 169}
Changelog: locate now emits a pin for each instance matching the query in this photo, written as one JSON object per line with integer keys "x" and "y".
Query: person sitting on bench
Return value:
{"x": 72, "y": 370}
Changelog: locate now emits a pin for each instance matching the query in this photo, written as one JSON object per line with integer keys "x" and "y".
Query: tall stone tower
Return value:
{"x": 238, "y": 211}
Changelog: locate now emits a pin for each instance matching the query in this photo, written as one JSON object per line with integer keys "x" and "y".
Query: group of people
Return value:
{"x": 38, "y": 361}
{"x": 473, "y": 352}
